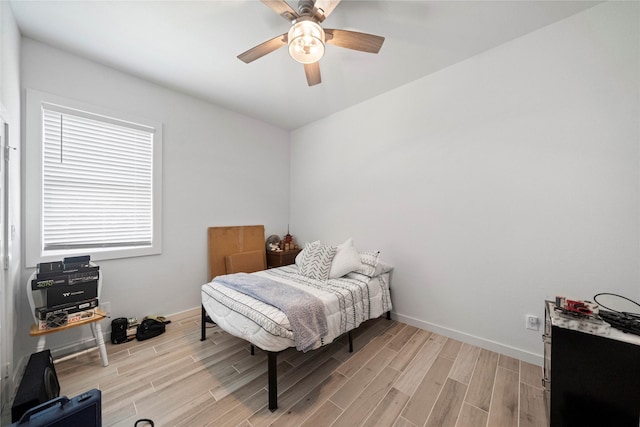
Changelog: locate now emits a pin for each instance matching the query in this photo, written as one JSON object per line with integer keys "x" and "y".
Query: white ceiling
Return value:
{"x": 191, "y": 46}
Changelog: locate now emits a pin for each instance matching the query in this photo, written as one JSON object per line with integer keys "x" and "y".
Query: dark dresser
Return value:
{"x": 282, "y": 258}
{"x": 590, "y": 379}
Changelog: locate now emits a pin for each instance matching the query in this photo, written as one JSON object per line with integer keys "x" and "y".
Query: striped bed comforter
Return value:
{"x": 348, "y": 303}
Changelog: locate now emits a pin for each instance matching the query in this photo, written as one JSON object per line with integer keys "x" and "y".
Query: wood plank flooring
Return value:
{"x": 398, "y": 375}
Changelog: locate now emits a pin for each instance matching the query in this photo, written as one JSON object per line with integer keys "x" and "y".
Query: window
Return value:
{"x": 93, "y": 178}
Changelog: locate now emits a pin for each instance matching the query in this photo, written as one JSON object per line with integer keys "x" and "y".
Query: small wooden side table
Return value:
{"x": 282, "y": 258}
{"x": 93, "y": 322}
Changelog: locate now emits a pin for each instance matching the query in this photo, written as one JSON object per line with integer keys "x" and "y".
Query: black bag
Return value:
{"x": 149, "y": 328}
{"x": 119, "y": 330}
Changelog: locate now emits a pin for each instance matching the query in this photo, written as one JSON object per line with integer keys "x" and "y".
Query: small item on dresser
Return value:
{"x": 288, "y": 238}
{"x": 273, "y": 247}
{"x": 619, "y": 311}
{"x": 579, "y": 315}
{"x": 273, "y": 242}
{"x": 288, "y": 244}
{"x": 626, "y": 322}
{"x": 576, "y": 307}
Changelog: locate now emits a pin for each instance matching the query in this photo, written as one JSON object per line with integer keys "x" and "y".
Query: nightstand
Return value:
{"x": 592, "y": 379}
{"x": 279, "y": 259}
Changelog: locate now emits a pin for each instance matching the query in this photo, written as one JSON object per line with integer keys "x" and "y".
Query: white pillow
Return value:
{"x": 368, "y": 263}
{"x": 315, "y": 261}
{"x": 345, "y": 261}
{"x": 382, "y": 268}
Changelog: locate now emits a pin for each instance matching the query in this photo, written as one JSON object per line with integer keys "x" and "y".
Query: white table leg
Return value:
{"x": 41, "y": 341}
{"x": 97, "y": 333}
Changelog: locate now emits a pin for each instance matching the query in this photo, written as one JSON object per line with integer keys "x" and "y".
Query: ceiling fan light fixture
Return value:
{"x": 306, "y": 41}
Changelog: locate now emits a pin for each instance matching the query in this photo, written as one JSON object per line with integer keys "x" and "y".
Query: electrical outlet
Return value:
{"x": 532, "y": 322}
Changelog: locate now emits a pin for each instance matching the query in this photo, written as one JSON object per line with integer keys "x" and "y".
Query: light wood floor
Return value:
{"x": 398, "y": 375}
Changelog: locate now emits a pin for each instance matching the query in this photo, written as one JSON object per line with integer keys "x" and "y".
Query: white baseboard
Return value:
{"x": 73, "y": 348}
{"x": 536, "y": 359}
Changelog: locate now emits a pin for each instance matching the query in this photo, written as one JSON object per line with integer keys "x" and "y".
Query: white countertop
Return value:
{"x": 589, "y": 326}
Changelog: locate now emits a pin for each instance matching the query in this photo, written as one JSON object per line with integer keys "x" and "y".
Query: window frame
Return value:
{"x": 34, "y": 248}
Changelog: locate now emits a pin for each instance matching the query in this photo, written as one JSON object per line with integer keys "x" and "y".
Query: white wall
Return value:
{"x": 10, "y": 113}
{"x": 214, "y": 169}
{"x": 494, "y": 184}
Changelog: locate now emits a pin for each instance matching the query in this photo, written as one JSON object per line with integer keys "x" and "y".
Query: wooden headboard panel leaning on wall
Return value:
{"x": 242, "y": 246}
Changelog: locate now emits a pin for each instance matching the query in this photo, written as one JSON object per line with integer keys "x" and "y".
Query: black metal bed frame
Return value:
{"x": 272, "y": 366}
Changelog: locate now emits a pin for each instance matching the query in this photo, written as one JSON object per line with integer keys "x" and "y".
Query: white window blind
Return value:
{"x": 97, "y": 181}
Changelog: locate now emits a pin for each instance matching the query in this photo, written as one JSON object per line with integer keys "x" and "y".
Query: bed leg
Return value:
{"x": 203, "y": 326}
{"x": 350, "y": 342}
{"x": 273, "y": 380}
{"x": 388, "y": 315}
{"x": 253, "y": 350}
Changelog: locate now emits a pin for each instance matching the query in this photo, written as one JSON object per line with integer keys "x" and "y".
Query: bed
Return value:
{"x": 344, "y": 299}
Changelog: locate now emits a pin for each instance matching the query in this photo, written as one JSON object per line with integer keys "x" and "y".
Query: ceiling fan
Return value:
{"x": 306, "y": 38}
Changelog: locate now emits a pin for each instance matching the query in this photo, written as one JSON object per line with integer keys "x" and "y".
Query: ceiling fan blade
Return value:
{"x": 263, "y": 48}
{"x": 282, "y": 8}
{"x": 354, "y": 40}
{"x": 324, "y": 8}
{"x": 312, "y": 72}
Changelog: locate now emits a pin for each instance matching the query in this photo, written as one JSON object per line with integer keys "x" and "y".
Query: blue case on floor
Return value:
{"x": 84, "y": 410}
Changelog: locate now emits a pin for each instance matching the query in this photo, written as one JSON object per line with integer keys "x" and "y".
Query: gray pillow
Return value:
{"x": 315, "y": 260}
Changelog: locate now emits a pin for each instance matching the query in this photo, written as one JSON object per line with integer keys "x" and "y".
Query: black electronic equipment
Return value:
{"x": 625, "y": 322}
{"x": 85, "y": 259}
{"x": 39, "y": 384}
{"x": 84, "y": 410}
{"x": 43, "y": 313}
{"x": 59, "y": 295}
{"x": 46, "y": 267}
